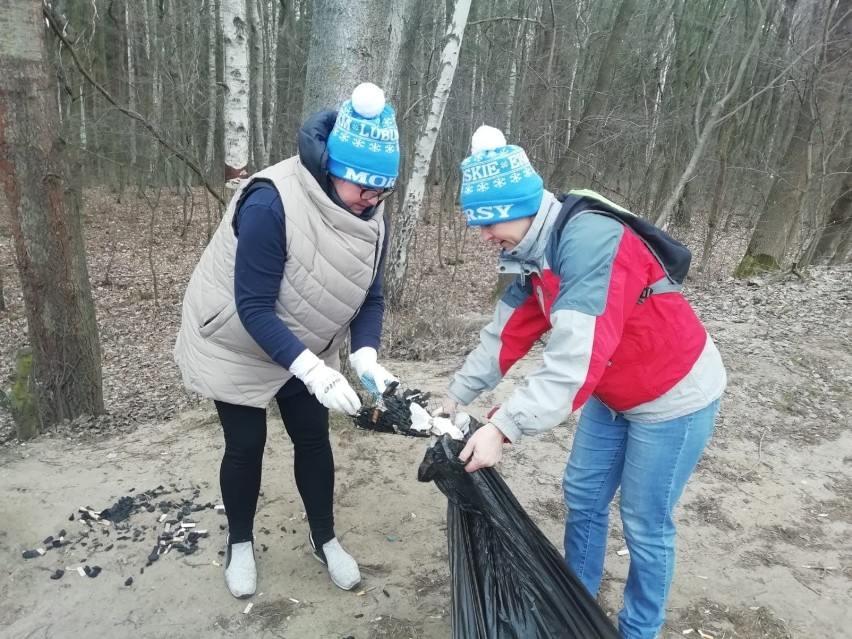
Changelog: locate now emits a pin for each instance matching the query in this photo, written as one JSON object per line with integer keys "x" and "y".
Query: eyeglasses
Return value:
{"x": 381, "y": 194}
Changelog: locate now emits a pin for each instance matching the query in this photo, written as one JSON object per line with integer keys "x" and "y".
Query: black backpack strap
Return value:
{"x": 667, "y": 251}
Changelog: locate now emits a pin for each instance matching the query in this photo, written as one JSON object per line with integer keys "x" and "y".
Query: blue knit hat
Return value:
{"x": 498, "y": 181}
{"x": 364, "y": 144}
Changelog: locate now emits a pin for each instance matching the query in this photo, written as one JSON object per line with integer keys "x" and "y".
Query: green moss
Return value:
{"x": 21, "y": 400}
{"x": 756, "y": 264}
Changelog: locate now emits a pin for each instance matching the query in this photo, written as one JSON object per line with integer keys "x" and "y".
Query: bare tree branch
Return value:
{"x": 53, "y": 21}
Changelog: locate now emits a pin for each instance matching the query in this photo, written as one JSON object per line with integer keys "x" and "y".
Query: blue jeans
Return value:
{"x": 651, "y": 463}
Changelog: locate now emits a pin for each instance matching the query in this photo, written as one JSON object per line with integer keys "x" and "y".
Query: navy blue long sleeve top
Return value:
{"x": 259, "y": 269}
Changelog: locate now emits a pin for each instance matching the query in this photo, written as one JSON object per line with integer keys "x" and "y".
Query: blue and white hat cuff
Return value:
{"x": 359, "y": 175}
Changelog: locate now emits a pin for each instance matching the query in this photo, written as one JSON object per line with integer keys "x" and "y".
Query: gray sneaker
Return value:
{"x": 342, "y": 567}
{"x": 240, "y": 570}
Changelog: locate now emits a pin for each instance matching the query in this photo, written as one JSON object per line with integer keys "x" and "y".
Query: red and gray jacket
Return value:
{"x": 621, "y": 330}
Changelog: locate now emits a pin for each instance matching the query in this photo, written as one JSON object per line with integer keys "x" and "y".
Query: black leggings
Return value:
{"x": 306, "y": 421}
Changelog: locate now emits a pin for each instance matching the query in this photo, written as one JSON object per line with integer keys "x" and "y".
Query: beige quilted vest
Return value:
{"x": 332, "y": 258}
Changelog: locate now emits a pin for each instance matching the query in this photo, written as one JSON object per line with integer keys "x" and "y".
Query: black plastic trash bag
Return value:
{"x": 508, "y": 580}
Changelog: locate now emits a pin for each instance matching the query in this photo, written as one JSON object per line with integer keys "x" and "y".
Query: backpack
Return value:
{"x": 673, "y": 256}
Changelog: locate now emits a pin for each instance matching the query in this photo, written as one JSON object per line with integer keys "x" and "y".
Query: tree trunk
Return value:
{"x": 236, "y": 116}
{"x": 719, "y": 193}
{"x": 769, "y": 242}
{"x": 258, "y": 63}
{"x": 561, "y": 176}
{"x": 212, "y": 13}
{"x": 410, "y": 212}
{"x": 710, "y": 125}
{"x": 349, "y": 45}
{"x": 46, "y": 221}
{"x": 131, "y": 80}
{"x": 833, "y": 242}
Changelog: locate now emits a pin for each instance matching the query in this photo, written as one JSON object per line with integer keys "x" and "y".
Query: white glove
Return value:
{"x": 375, "y": 378}
{"x": 329, "y": 387}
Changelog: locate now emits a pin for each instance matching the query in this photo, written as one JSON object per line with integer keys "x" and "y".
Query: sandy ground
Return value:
{"x": 765, "y": 524}
{"x": 763, "y": 536}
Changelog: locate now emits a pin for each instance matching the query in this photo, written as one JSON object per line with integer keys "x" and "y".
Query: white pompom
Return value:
{"x": 486, "y": 138}
{"x": 368, "y": 100}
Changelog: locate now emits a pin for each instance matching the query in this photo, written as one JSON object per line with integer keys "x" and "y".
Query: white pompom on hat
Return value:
{"x": 368, "y": 100}
{"x": 486, "y": 138}
{"x": 498, "y": 181}
{"x": 364, "y": 143}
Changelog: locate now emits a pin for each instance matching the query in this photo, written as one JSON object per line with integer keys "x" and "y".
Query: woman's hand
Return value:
{"x": 484, "y": 448}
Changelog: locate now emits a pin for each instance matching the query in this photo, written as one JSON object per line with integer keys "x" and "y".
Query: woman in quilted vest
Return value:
{"x": 625, "y": 345}
{"x": 294, "y": 267}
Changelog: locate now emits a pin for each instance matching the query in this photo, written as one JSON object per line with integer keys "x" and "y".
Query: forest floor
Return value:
{"x": 763, "y": 527}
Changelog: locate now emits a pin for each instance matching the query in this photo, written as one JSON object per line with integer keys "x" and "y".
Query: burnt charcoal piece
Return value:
{"x": 48, "y": 540}
{"x": 57, "y": 574}
{"x": 71, "y": 518}
{"x": 108, "y": 548}
{"x": 120, "y": 510}
{"x": 61, "y": 533}
{"x": 396, "y": 416}
{"x": 128, "y": 581}
{"x": 153, "y": 556}
{"x": 92, "y": 572}
{"x": 151, "y": 508}
{"x": 30, "y": 554}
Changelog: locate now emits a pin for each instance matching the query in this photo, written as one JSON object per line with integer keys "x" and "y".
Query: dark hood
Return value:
{"x": 314, "y": 154}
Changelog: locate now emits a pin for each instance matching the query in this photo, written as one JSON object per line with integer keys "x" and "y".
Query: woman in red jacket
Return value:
{"x": 625, "y": 346}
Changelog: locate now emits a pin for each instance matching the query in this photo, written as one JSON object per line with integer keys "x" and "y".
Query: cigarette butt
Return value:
{"x": 80, "y": 571}
{"x": 167, "y": 527}
{"x": 187, "y": 524}
{"x": 248, "y": 608}
{"x": 622, "y": 552}
{"x": 294, "y": 600}
{"x": 163, "y": 517}
{"x": 40, "y": 551}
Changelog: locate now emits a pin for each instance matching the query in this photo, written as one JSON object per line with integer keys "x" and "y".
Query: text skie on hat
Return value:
{"x": 498, "y": 182}
{"x": 364, "y": 144}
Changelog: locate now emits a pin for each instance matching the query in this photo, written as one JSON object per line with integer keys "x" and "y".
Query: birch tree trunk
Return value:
{"x": 46, "y": 226}
{"x": 410, "y": 211}
{"x": 236, "y": 72}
